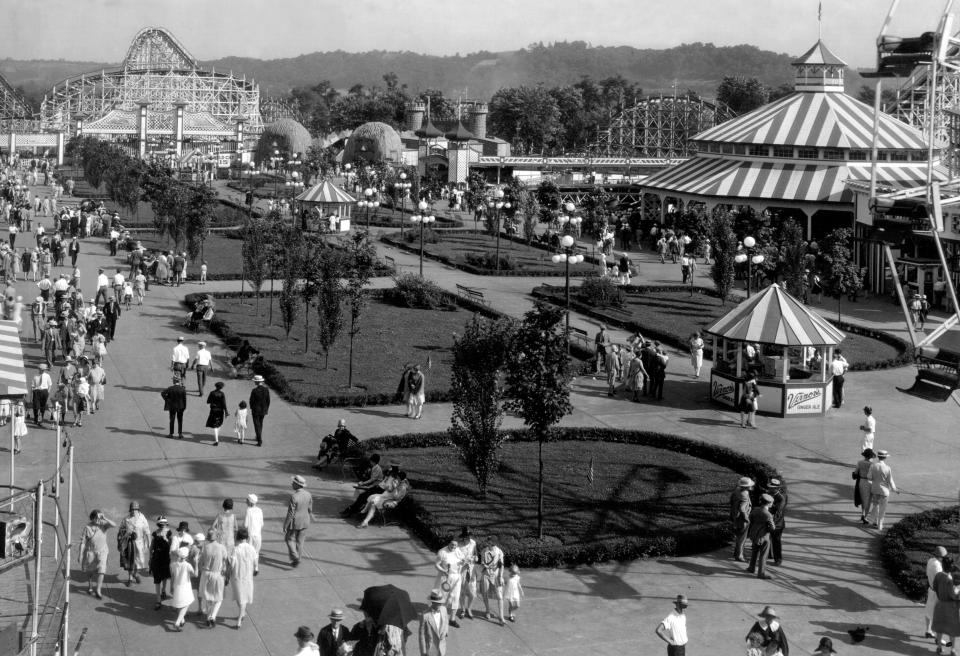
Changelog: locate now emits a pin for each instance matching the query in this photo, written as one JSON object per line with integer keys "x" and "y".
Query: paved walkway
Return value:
{"x": 830, "y": 580}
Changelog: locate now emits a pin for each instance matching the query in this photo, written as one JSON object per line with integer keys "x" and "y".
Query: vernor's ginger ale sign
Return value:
{"x": 723, "y": 391}
{"x": 801, "y": 400}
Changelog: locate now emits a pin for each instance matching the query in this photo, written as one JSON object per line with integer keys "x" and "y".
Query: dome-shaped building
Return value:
{"x": 373, "y": 142}
{"x": 295, "y": 138}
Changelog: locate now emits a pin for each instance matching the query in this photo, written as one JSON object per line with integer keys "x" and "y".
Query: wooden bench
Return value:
{"x": 472, "y": 294}
{"x": 580, "y": 337}
{"x": 390, "y": 262}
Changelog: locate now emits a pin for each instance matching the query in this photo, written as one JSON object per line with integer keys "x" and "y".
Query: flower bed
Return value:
{"x": 653, "y": 494}
{"x": 908, "y": 544}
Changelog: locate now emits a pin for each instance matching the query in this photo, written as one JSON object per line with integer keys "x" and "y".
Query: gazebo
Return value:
{"x": 327, "y": 202}
{"x": 786, "y": 345}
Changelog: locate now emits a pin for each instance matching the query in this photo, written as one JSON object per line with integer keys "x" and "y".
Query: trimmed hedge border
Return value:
{"x": 528, "y": 553}
{"x": 463, "y": 266}
{"x": 552, "y": 295}
{"x": 911, "y": 579}
{"x": 277, "y": 381}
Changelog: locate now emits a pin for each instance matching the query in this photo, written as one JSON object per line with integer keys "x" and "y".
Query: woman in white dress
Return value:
{"x": 253, "y": 523}
{"x": 213, "y": 564}
{"x": 696, "y": 352}
{"x": 180, "y": 573}
{"x": 242, "y": 567}
{"x": 468, "y": 589}
{"x": 449, "y": 566}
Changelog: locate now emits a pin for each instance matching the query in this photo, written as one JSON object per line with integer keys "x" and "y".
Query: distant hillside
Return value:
{"x": 696, "y": 66}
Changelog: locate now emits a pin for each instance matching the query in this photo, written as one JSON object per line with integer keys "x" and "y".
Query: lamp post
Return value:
{"x": 749, "y": 258}
{"x": 496, "y": 203}
{"x": 275, "y": 160}
{"x": 368, "y": 202}
{"x": 403, "y": 185}
{"x": 568, "y": 257}
{"x": 422, "y": 218}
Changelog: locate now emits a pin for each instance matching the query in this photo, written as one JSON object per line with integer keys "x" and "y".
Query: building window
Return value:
{"x": 759, "y": 151}
{"x": 807, "y": 153}
{"x": 728, "y": 148}
{"x": 881, "y": 156}
{"x": 858, "y": 155}
{"x": 739, "y": 149}
{"x": 918, "y": 155}
{"x": 832, "y": 153}
{"x": 714, "y": 148}
{"x": 783, "y": 151}
{"x": 899, "y": 156}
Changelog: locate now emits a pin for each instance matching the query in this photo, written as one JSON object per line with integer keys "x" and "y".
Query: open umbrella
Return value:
{"x": 388, "y": 604}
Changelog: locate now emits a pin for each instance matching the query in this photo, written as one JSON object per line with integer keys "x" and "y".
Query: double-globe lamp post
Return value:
{"x": 368, "y": 202}
{"x": 749, "y": 258}
{"x": 568, "y": 257}
{"x": 403, "y": 186}
{"x": 423, "y": 218}
{"x": 497, "y": 203}
{"x": 568, "y": 218}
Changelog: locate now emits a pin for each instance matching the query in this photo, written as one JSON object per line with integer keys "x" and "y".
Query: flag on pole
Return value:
{"x": 429, "y": 362}
{"x": 590, "y": 471}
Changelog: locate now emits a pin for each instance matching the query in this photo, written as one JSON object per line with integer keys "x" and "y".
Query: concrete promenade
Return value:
{"x": 830, "y": 579}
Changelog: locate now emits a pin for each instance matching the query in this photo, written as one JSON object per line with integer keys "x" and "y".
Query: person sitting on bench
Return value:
{"x": 336, "y": 446}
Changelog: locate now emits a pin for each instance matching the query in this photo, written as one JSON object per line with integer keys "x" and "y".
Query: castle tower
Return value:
{"x": 477, "y": 121}
{"x": 415, "y": 112}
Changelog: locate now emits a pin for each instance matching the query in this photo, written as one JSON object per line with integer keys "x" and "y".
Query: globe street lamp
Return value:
{"x": 496, "y": 203}
{"x": 749, "y": 258}
{"x": 422, "y": 218}
{"x": 403, "y": 186}
{"x": 368, "y": 202}
{"x": 568, "y": 257}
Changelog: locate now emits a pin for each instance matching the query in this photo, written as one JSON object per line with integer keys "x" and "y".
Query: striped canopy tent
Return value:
{"x": 775, "y": 317}
{"x": 329, "y": 203}
{"x": 13, "y": 377}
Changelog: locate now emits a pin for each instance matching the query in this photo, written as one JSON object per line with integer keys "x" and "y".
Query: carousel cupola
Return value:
{"x": 818, "y": 69}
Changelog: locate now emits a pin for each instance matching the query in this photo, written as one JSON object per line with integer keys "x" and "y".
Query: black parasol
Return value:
{"x": 388, "y": 604}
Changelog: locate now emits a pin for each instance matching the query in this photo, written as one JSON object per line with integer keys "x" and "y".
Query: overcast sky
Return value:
{"x": 100, "y": 30}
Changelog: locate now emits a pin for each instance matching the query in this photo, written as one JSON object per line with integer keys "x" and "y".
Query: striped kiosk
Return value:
{"x": 787, "y": 347}
{"x": 13, "y": 377}
{"x": 328, "y": 203}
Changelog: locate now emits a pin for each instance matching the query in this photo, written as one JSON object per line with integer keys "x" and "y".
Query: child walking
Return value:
{"x": 513, "y": 592}
{"x": 19, "y": 426}
{"x": 241, "y": 420}
{"x": 203, "y": 273}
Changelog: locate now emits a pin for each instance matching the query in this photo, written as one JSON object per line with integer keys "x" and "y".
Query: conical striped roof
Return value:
{"x": 326, "y": 192}
{"x": 773, "y": 316}
{"x": 824, "y": 120}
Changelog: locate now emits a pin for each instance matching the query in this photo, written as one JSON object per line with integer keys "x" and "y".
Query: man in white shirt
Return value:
{"x": 253, "y": 522}
{"x": 934, "y": 567}
{"x": 41, "y": 393}
{"x": 203, "y": 363}
{"x": 838, "y": 367}
{"x": 45, "y": 285}
{"x": 102, "y": 284}
{"x": 881, "y": 484}
{"x": 118, "y": 281}
{"x": 673, "y": 629}
{"x": 869, "y": 428}
{"x": 180, "y": 357}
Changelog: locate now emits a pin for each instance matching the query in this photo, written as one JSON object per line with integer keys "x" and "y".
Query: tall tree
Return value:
{"x": 595, "y": 212}
{"x": 724, "y": 248}
{"x": 838, "y": 272}
{"x": 538, "y": 380}
{"x": 479, "y": 360}
{"x": 741, "y": 94}
{"x": 791, "y": 257}
{"x": 256, "y": 254}
{"x": 292, "y": 248}
{"x": 330, "y": 262}
{"x": 359, "y": 270}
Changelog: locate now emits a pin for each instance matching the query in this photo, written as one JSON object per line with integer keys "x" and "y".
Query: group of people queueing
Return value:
{"x": 639, "y": 366}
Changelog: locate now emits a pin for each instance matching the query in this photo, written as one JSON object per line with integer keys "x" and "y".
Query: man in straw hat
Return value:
{"x": 768, "y": 627}
{"x": 779, "y": 511}
{"x": 305, "y": 644}
{"x": 259, "y": 406}
{"x": 175, "y": 402}
{"x": 740, "y": 507}
{"x": 41, "y": 385}
{"x": 934, "y": 567}
{"x": 253, "y": 522}
{"x": 333, "y": 634}
{"x": 881, "y": 484}
{"x": 761, "y": 526}
{"x": 299, "y": 513}
{"x": 434, "y": 627}
{"x": 673, "y": 629}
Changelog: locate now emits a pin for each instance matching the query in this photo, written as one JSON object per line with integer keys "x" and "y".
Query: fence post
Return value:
{"x": 68, "y": 554}
{"x": 37, "y": 559}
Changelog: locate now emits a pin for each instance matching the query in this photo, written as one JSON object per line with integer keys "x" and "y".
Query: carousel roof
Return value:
{"x": 816, "y": 120}
{"x": 773, "y": 316}
{"x": 326, "y": 192}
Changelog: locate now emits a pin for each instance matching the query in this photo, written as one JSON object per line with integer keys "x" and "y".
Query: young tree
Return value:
{"x": 359, "y": 269}
{"x": 791, "y": 257}
{"x": 256, "y": 254}
{"x": 200, "y": 209}
{"x": 330, "y": 263}
{"x": 538, "y": 379}
{"x": 291, "y": 249}
{"x": 724, "y": 249}
{"x": 479, "y": 359}
{"x": 525, "y": 206}
{"x": 595, "y": 211}
{"x": 838, "y": 272}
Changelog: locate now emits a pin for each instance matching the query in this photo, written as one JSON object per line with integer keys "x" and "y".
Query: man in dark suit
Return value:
{"x": 366, "y": 635}
{"x": 761, "y": 526}
{"x": 332, "y": 636}
{"x": 779, "y": 508}
{"x": 111, "y": 312}
{"x": 175, "y": 402}
{"x": 259, "y": 405}
{"x": 299, "y": 514}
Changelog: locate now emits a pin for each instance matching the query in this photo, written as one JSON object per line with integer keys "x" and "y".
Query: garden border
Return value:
{"x": 912, "y": 582}
{"x": 529, "y": 553}
{"x": 904, "y": 358}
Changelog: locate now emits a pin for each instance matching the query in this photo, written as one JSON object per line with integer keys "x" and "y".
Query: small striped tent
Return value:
{"x": 326, "y": 193}
{"x": 775, "y": 317}
{"x": 13, "y": 377}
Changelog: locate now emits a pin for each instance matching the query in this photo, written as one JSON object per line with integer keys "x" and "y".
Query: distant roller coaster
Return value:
{"x": 659, "y": 126}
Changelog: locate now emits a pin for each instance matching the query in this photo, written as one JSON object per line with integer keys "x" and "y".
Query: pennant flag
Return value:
{"x": 590, "y": 471}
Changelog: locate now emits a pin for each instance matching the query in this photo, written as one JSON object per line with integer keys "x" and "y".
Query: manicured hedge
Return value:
{"x": 531, "y": 553}
{"x": 899, "y": 545}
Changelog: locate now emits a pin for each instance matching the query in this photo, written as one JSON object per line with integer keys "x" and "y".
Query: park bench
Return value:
{"x": 390, "y": 262}
{"x": 580, "y": 337}
{"x": 471, "y": 294}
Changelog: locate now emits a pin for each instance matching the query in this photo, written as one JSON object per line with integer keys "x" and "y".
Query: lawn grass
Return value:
{"x": 636, "y": 491}
{"x": 676, "y": 312}
{"x": 221, "y": 254}
{"x": 458, "y": 248}
{"x": 390, "y": 337}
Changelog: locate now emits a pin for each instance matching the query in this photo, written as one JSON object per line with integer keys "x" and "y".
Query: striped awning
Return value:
{"x": 13, "y": 376}
{"x": 773, "y": 316}
{"x": 816, "y": 120}
{"x": 326, "y": 192}
{"x": 730, "y": 178}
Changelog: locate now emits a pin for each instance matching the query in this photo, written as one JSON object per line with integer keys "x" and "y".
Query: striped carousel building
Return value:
{"x": 797, "y": 156}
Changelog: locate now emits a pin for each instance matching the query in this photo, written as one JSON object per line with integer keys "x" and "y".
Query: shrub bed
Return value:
{"x": 908, "y": 544}
{"x": 447, "y": 499}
